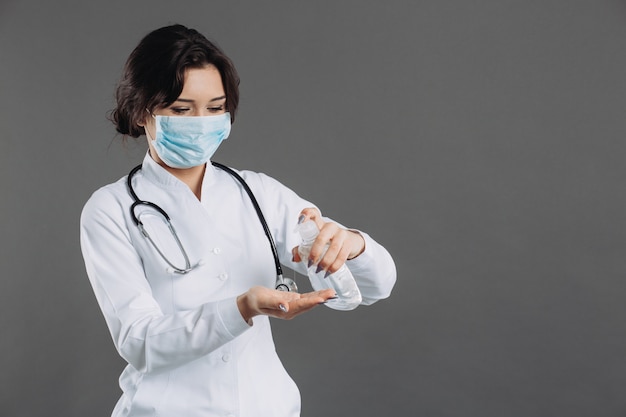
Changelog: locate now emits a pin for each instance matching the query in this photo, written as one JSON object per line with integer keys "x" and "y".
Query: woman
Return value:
{"x": 188, "y": 307}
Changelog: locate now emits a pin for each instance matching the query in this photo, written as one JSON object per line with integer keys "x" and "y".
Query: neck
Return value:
{"x": 190, "y": 176}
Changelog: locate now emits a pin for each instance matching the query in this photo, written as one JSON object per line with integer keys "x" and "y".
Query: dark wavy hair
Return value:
{"x": 155, "y": 72}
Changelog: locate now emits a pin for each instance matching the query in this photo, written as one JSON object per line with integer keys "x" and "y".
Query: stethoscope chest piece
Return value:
{"x": 286, "y": 284}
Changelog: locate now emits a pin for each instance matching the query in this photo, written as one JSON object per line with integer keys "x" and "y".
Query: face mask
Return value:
{"x": 185, "y": 142}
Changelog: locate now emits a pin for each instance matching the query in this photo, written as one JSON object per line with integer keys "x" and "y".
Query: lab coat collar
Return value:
{"x": 159, "y": 175}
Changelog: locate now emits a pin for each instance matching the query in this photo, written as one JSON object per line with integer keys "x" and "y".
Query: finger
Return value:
{"x": 279, "y": 308}
{"x": 293, "y": 309}
{"x": 326, "y": 236}
{"x": 295, "y": 255}
{"x": 311, "y": 213}
{"x": 336, "y": 254}
{"x": 339, "y": 261}
{"x": 311, "y": 300}
{"x": 274, "y": 299}
{"x": 320, "y": 296}
{"x": 306, "y": 302}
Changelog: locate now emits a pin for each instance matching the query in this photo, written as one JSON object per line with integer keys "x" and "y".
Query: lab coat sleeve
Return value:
{"x": 374, "y": 270}
{"x": 145, "y": 337}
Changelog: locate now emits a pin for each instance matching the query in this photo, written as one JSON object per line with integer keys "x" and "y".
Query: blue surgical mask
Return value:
{"x": 185, "y": 142}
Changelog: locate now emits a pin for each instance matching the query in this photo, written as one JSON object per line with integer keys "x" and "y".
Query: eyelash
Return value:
{"x": 182, "y": 110}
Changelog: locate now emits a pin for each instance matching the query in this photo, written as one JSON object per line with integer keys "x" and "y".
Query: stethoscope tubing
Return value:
{"x": 281, "y": 283}
{"x": 257, "y": 208}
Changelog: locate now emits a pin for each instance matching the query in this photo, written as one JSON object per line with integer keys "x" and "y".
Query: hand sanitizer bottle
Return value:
{"x": 342, "y": 281}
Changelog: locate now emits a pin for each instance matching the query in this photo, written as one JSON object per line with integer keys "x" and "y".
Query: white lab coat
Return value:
{"x": 189, "y": 351}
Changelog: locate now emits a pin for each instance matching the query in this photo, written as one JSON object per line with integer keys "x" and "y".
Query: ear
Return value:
{"x": 143, "y": 121}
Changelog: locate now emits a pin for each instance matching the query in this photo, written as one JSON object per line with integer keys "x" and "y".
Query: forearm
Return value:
{"x": 152, "y": 342}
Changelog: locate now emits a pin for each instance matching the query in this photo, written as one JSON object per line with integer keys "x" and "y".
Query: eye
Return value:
{"x": 179, "y": 110}
{"x": 216, "y": 109}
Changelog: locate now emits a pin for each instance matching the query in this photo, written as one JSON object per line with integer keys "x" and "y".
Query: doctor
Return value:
{"x": 185, "y": 279}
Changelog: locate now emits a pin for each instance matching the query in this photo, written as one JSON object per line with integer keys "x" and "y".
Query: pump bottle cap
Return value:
{"x": 308, "y": 230}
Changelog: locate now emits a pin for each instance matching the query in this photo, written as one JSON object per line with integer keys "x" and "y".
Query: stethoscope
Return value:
{"x": 282, "y": 284}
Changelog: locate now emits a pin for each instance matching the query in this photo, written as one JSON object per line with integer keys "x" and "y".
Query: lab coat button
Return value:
{"x": 226, "y": 357}
{"x": 222, "y": 276}
{"x": 217, "y": 251}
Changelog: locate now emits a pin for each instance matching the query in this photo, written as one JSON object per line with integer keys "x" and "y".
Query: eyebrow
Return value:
{"x": 186, "y": 100}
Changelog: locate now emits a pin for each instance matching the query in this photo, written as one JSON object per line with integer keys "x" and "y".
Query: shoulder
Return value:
{"x": 262, "y": 181}
{"x": 269, "y": 191}
{"x": 108, "y": 201}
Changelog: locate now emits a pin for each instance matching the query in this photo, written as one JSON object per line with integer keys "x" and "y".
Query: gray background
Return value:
{"x": 482, "y": 142}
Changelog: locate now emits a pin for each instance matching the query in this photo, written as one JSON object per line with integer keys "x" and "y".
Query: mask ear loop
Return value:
{"x": 145, "y": 129}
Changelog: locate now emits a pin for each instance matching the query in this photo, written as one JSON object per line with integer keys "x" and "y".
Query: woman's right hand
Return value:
{"x": 280, "y": 304}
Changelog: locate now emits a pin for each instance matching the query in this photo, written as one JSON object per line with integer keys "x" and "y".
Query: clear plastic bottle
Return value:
{"x": 342, "y": 281}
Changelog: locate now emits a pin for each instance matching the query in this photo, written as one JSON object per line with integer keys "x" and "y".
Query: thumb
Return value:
{"x": 295, "y": 256}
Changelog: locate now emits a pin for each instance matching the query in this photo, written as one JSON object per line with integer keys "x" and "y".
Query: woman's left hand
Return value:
{"x": 280, "y": 304}
{"x": 343, "y": 244}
